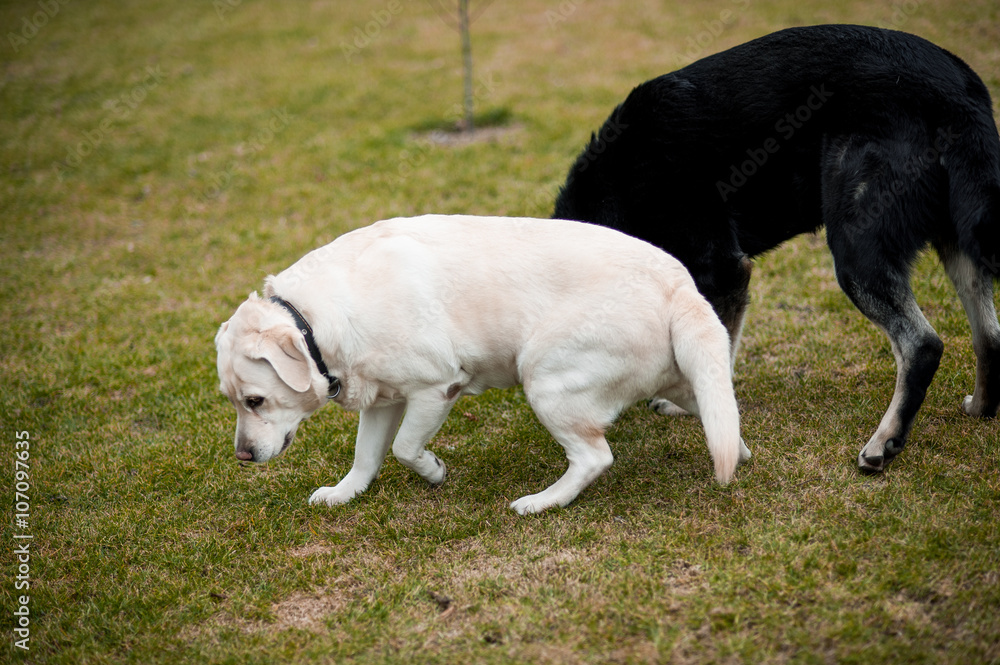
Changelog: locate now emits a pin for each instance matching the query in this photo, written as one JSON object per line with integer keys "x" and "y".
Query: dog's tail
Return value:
{"x": 970, "y": 153}
{"x": 701, "y": 349}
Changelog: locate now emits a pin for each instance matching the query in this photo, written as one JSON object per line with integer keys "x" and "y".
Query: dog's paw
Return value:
{"x": 532, "y": 504}
{"x": 438, "y": 473}
{"x": 876, "y": 454}
{"x": 745, "y": 453}
{"x": 979, "y": 408}
{"x": 524, "y": 506}
{"x": 665, "y": 407}
{"x": 331, "y": 496}
{"x": 967, "y": 406}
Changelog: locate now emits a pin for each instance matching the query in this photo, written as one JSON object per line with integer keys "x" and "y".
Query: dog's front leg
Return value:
{"x": 425, "y": 413}
{"x": 375, "y": 429}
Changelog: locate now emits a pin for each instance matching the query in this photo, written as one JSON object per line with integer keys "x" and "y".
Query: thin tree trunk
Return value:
{"x": 463, "y": 21}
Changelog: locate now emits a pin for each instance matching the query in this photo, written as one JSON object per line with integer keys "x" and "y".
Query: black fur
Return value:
{"x": 883, "y": 137}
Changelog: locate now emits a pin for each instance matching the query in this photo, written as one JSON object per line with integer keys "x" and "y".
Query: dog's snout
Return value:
{"x": 244, "y": 455}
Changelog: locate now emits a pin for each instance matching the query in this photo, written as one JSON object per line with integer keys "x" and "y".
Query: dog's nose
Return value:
{"x": 244, "y": 455}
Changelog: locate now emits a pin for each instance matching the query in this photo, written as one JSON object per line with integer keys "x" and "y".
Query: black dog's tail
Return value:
{"x": 971, "y": 158}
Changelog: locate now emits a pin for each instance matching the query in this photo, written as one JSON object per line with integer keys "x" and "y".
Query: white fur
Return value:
{"x": 410, "y": 314}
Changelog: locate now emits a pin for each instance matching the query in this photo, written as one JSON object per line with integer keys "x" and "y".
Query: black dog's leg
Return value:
{"x": 975, "y": 289}
{"x": 874, "y": 234}
{"x": 889, "y": 303}
{"x": 731, "y": 304}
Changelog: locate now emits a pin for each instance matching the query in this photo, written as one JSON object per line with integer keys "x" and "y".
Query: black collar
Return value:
{"x": 306, "y": 330}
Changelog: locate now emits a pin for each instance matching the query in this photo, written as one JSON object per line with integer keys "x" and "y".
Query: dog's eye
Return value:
{"x": 253, "y": 402}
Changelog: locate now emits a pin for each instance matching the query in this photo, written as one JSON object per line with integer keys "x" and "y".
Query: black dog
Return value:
{"x": 883, "y": 137}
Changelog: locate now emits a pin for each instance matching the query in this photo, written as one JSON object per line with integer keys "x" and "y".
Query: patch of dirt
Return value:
{"x": 301, "y": 610}
{"x": 305, "y": 611}
{"x": 484, "y": 135}
{"x": 311, "y": 549}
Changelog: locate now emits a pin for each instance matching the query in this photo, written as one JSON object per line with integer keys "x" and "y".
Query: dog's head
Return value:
{"x": 266, "y": 372}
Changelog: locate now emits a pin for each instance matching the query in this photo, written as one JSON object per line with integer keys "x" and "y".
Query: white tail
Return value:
{"x": 701, "y": 348}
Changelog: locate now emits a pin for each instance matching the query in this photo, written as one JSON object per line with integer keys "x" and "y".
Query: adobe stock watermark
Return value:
{"x": 369, "y": 32}
{"x": 901, "y": 13}
{"x": 542, "y": 198}
{"x": 888, "y": 194}
{"x": 32, "y": 23}
{"x": 613, "y": 310}
{"x": 485, "y": 88}
{"x": 22, "y": 539}
{"x": 247, "y": 150}
{"x": 562, "y": 12}
{"x": 990, "y": 267}
{"x": 710, "y": 30}
{"x": 599, "y": 142}
{"x": 449, "y": 12}
{"x": 414, "y": 157}
{"x": 224, "y": 7}
{"x": 785, "y": 128}
{"x": 119, "y": 109}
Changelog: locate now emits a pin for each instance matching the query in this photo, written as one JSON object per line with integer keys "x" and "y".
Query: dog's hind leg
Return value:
{"x": 589, "y": 456}
{"x": 975, "y": 289}
{"x": 732, "y": 303}
{"x": 880, "y": 211}
{"x": 918, "y": 351}
{"x": 880, "y": 289}
{"x": 577, "y": 418}
{"x": 376, "y": 427}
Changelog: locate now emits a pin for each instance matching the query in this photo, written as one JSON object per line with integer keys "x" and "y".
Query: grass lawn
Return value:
{"x": 160, "y": 158}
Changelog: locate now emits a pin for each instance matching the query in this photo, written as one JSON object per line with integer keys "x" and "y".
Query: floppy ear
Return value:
{"x": 222, "y": 331}
{"x": 287, "y": 352}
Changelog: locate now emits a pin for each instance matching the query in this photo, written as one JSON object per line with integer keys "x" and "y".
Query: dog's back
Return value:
{"x": 496, "y": 281}
{"x": 738, "y": 138}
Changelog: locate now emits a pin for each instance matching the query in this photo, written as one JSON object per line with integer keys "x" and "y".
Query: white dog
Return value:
{"x": 399, "y": 319}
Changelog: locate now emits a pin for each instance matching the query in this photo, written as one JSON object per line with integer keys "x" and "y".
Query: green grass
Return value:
{"x": 219, "y": 147}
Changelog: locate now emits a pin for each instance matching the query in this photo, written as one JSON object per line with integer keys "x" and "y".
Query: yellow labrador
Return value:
{"x": 399, "y": 319}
